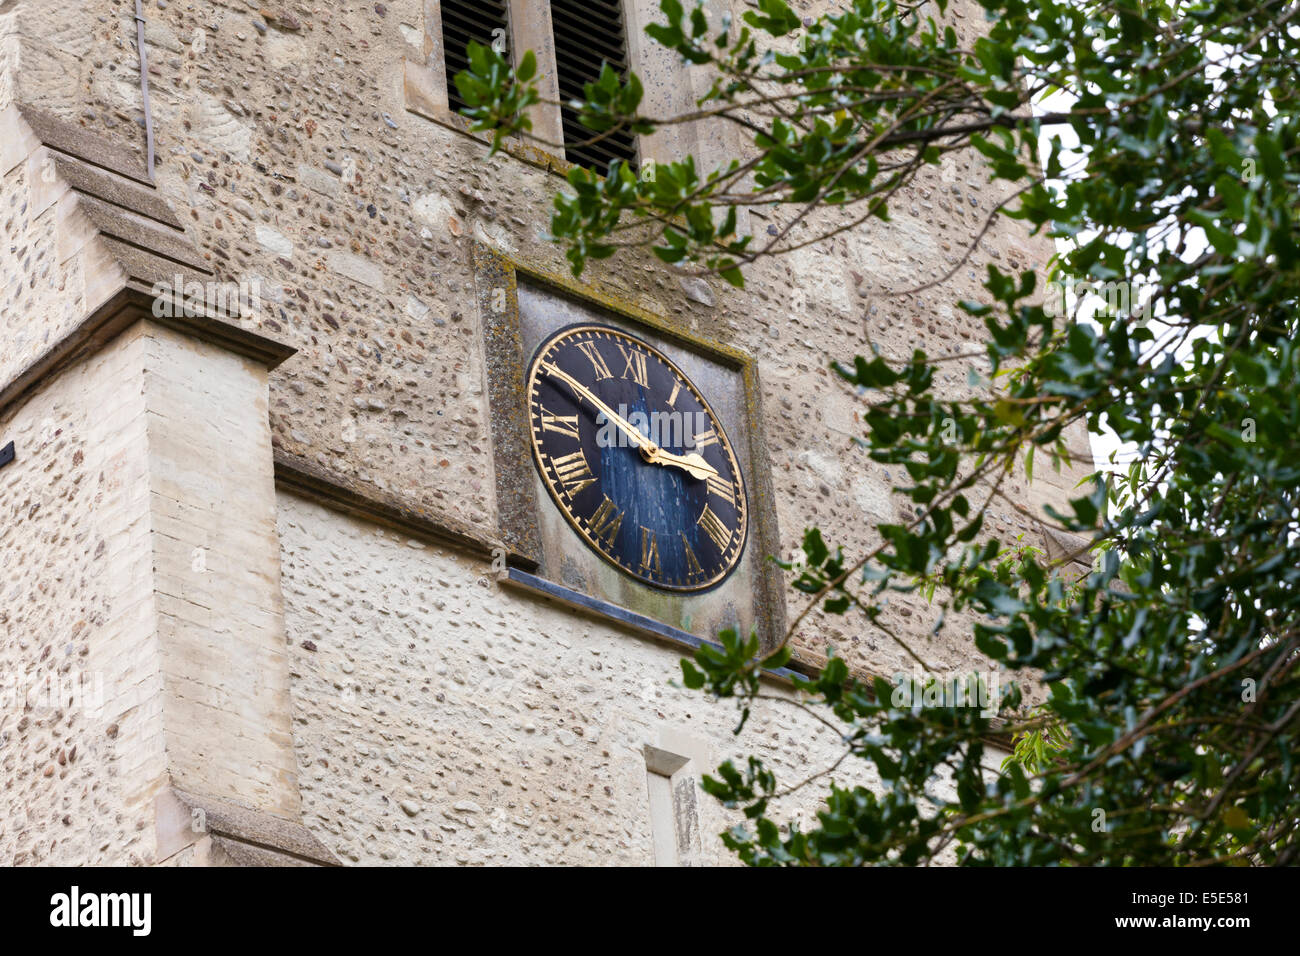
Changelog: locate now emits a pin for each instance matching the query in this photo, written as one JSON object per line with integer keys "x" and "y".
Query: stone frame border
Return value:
{"x": 517, "y": 503}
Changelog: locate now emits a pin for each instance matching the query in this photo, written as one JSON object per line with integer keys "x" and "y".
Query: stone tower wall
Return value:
{"x": 432, "y": 713}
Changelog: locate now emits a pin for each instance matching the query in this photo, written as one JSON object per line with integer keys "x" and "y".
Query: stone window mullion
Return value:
{"x": 531, "y": 29}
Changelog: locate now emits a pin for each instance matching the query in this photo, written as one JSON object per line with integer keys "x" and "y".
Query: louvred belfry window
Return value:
{"x": 589, "y": 33}
{"x": 462, "y": 21}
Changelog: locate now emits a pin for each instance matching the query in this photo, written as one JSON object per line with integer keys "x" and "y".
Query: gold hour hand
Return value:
{"x": 693, "y": 464}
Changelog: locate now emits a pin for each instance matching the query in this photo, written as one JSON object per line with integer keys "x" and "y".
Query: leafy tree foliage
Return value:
{"x": 1170, "y": 730}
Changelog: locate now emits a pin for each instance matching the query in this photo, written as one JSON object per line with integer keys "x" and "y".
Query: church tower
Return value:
{"x": 310, "y": 550}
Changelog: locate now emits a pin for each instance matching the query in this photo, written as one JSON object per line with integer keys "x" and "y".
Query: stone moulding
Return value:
{"x": 130, "y": 305}
{"x": 109, "y": 187}
{"x": 147, "y": 248}
{"x": 638, "y": 623}
{"x": 338, "y": 492}
{"x": 88, "y": 148}
{"x": 644, "y": 626}
{"x": 225, "y": 833}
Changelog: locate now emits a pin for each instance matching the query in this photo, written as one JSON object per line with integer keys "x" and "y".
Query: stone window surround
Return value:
{"x": 671, "y": 770}
{"x": 424, "y": 86}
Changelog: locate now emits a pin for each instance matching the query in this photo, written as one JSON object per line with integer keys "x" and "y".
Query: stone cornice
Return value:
{"x": 129, "y": 305}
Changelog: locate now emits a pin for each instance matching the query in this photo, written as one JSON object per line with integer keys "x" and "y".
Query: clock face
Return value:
{"x": 635, "y": 458}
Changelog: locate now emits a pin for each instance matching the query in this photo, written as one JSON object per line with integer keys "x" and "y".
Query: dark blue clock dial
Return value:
{"x": 635, "y": 458}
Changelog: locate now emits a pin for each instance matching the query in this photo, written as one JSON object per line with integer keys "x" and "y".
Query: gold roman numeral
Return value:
{"x": 691, "y": 562}
{"x": 606, "y": 522}
{"x": 705, "y": 439}
{"x": 722, "y": 487}
{"x": 573, "y": 472}
{"x": 649, "y": 551}
{"x": 672, "y": 399}
{"x": 718, "y": 532}
{"x": 590, "y": 350}
{"x": 564, "y": 424}
{"x": 635, "y": 363}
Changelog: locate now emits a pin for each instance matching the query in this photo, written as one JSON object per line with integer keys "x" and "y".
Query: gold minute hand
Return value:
{"x": 692, "y": 464}
{"x": 646, "y": 445}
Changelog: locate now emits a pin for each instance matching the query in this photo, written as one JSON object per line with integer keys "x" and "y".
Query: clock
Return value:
{"x": 635, "y": 459}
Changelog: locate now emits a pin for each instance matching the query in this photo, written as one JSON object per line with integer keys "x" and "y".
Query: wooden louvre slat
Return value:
{"x": 462, "y": 21}
{"x": 588, "y": 34}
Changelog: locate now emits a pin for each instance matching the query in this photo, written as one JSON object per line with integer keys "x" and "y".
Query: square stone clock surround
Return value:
{"x": 519, "y": 306}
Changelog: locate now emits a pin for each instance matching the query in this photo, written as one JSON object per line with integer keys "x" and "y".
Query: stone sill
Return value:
{"x": 423, "y": 101}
